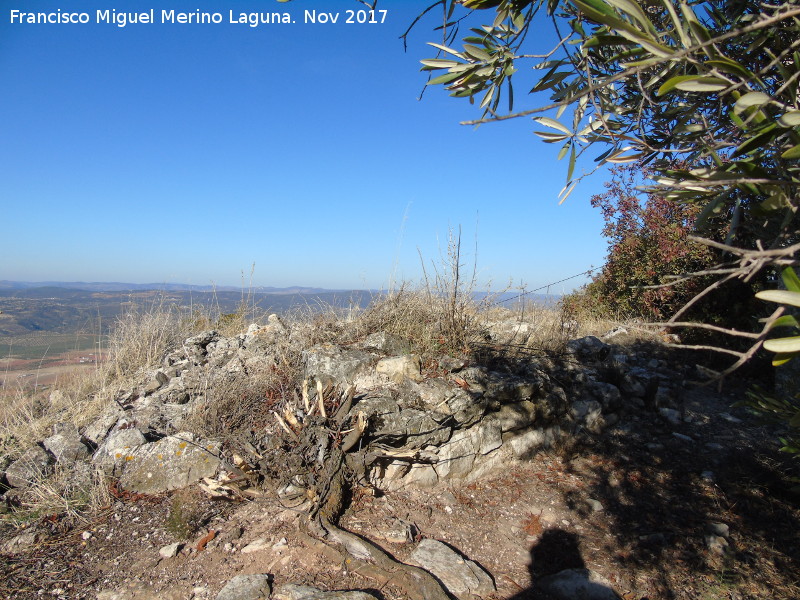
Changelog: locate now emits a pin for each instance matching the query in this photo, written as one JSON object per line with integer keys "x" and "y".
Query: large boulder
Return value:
{"x": 118, "y": 449}
{"x": 173, "y": 462}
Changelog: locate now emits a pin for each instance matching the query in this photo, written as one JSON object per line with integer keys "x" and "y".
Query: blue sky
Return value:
{"x": 187, "y": 153}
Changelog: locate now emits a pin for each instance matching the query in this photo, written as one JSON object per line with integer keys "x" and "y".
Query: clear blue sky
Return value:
{"x": 186, "y": 153}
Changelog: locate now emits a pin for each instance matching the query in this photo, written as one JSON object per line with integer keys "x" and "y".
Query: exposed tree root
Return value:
{"x": 330, "y": 468}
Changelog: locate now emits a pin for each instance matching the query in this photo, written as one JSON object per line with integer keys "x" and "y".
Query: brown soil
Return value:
{"x": 18, "y": 373}
{"x": 649, "y": 539}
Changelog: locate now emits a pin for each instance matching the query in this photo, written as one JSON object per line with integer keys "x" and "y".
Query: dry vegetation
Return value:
{"x": 438, "y": 318}
{"x": 434, "y": 321}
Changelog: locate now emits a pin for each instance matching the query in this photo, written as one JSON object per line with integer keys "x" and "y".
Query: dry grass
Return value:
{"x": 138, "y": 342}
{"x": 441, "y": 316}
{"x": 65, "y": 492}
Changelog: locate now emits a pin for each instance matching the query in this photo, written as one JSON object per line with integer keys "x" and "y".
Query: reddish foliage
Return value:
{"x": 648, "y": 240}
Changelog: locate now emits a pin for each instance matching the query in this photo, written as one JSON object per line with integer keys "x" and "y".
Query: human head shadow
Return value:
{"x": 557, "y": 555}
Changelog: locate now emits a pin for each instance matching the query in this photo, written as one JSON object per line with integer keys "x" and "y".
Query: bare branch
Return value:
{"x": 725, "y": 330}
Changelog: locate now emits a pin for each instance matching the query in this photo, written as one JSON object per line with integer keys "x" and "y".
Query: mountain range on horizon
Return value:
{"x": 115, "y": 286}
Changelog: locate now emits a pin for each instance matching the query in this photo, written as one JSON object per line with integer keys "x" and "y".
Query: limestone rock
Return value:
{"x": 417, "y": 427}
{"x": 170, "y": 463}
{"x": 589, "y": 347}
{"x": 32, "y": 465}
{"x": 459, "y": 575}
{"x": 332, "y": 363}
{"x": 97, "y": 431}
{"x": 117, "y": 449}
{"x": 456, "y": 457}
{"x": 451, "y": 364}
{"x": 526, "y": 443}
{"x": 386, "y": 342}
{"x": 246, "y": 587}
{"x": 607, "y": 394}
{"x": 670, "y": 415}
{"x": 636, "y": 382}
{"x": 588, "y": 414}
{"x": 398, "y": 368}
{"x": 66, "y": 445}
{"x": 577, "y": 584}
{"x": 170, "y": 550}
{"x": 22, "y": 542}
{"x": 441, "y": 396}
{"x": 290, "y": 591}
{"x": 512, "y": 417}
{"x": 140, "y": 591}
{"x": 195, "y": 346}
{"x": 257, "y": 545}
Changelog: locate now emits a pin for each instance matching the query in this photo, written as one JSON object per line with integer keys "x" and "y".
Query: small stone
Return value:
{"x": 399, "y": 532}
{"x": 670, "y": 415}
{"x": 281, "y": 544}
{"x": 86, "y": 535}
{"x": 719, "y": 529}
{"x": 716, "y": 543}
{"x": 448, "y": 497}
{"x": 152, "y": 387}
{"x": 21, "y": 542}
{"x": 255, "y": 546}
{"x": 730, "y": 418}
{"x": 170, "y": 551}
{"x": 31, "y": 466}
{"x": 448, "y": 363}
{"x": 595, "y": 505}
{"x": 66, "y": 446}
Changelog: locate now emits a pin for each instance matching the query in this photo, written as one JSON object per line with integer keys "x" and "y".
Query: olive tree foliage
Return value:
{"x": 704, "y": 93}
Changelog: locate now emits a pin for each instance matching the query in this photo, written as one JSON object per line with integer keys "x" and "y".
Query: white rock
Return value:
{"x": 170, "y": 551}
{"x": 255, "y": 546}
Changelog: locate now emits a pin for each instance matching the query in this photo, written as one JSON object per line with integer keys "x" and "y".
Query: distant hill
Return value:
{"x": 114, "y": 286}
{"x": 57, "y": 307}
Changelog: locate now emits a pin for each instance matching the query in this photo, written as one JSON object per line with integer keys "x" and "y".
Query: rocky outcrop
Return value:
{"x": 459, "y": 421}
{"x": 441, "y": 421}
